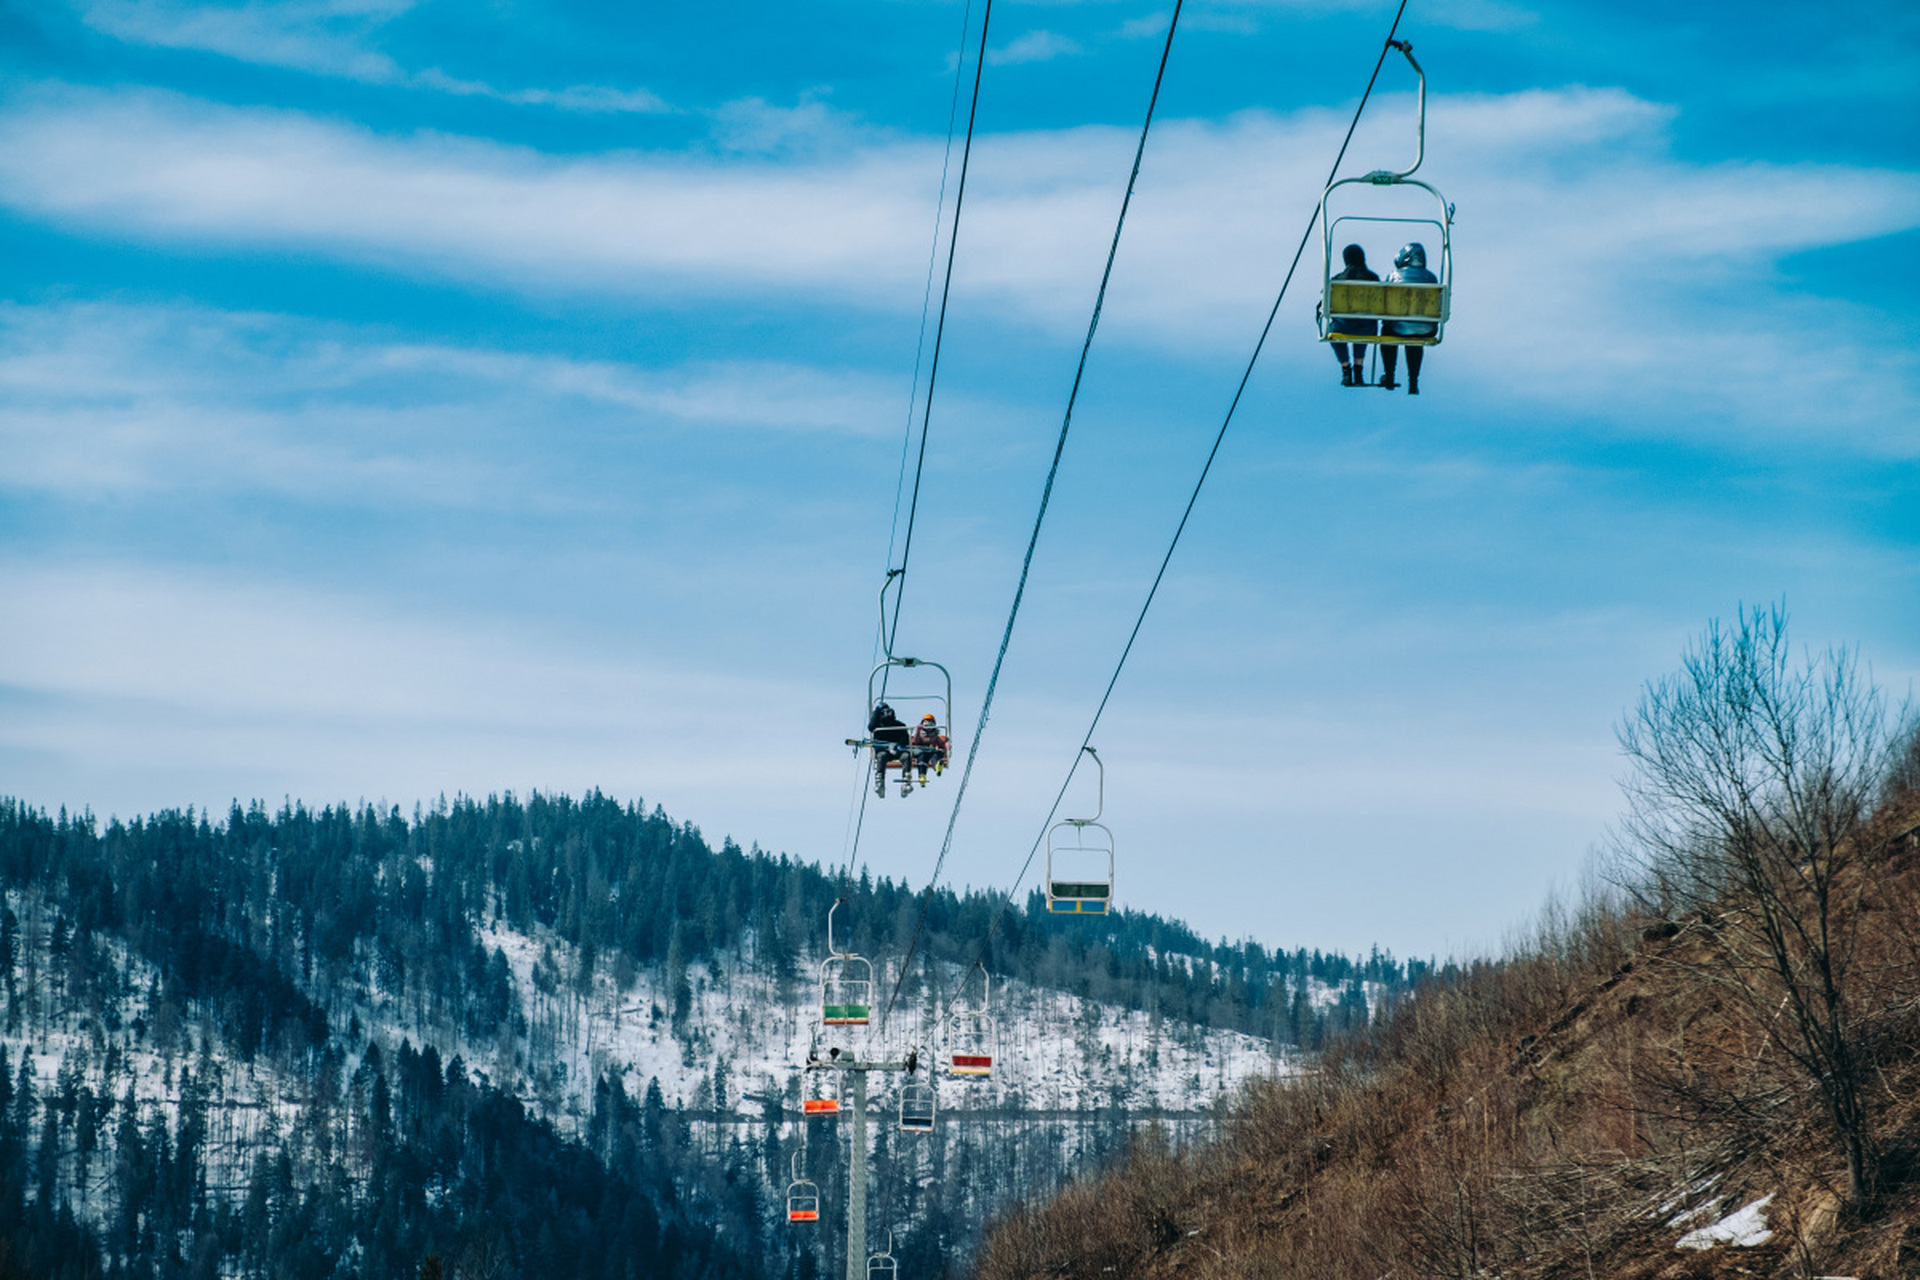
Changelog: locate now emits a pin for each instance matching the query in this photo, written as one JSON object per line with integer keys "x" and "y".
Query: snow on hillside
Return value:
{"x": 1061, "y": 1061}
{"x": 1056, "y": 1051}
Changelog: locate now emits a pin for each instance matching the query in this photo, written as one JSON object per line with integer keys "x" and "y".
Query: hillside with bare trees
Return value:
{"x": 1709, "y": 1068}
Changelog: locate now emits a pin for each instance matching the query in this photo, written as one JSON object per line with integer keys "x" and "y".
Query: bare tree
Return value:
{"x": 1750, "y": 807}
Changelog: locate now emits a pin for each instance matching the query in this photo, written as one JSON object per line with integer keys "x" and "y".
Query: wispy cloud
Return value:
{"x": 137, "y": 685}
{"x": 1034, "y": 46}
{"x": 810, "y": 128}
{"x": 1248, "y": 15}
{"x": 328, "y": 38}
{"x": 100, "y": 401}
{"x": 1660, "y": 265}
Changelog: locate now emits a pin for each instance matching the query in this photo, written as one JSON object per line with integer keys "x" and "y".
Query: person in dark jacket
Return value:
{"x": 889, "y": 735}
{"x": 1409, "y": 267}
{"x": 1353, "y": 372}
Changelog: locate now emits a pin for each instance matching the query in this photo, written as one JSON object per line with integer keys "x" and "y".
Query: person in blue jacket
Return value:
{"x": 1409, "y": 267}
{"x": 1352, "y": 372}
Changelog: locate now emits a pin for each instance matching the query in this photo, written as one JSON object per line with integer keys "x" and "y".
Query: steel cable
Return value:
{"x": 1046, "y": 498}
{"x": 883, "y": 641}
{"x": 1212, "y": 453}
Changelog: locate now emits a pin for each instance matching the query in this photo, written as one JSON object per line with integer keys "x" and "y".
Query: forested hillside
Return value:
{"x": 280, "y": 1043}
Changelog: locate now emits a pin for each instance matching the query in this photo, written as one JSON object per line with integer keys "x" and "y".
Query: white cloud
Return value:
{"x": 1574, "y": 219}
{"x": 810, "y": 127}
{"x": 1465, "y": 15}
{"x": 1034, "y": 46}
{"x": 327, "y": 38}
{"x": 99, "y": 401}
{"x": 136, "y": 687}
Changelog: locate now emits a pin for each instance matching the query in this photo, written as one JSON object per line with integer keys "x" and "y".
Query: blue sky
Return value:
{"x": 403, "y": 398}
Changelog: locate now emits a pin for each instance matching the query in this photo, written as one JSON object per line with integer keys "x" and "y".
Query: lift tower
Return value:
{"x": 855, "y": 1071}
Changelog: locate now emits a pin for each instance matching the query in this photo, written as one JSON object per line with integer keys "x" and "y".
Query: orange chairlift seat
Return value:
{"x": 803, "y": 1197}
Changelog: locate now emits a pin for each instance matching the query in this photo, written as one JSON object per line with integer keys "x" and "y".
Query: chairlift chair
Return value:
{"x": 916, "y": 1107}
{"x": 881, "y": 1266}
{"x": 803, "y": 1197}
{"x": 971, "y": 1036}
{"x": 890, "y": 684}
{"x": 846, "y": 983}
{"x": 1384, "y": 301}
{"x": 1080, "y": 860}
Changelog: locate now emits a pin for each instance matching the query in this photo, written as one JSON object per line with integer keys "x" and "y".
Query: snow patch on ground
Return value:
{"x": 1744, "y": 1228}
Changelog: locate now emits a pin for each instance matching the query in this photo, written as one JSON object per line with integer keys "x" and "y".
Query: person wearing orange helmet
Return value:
{"x": 930, "y": 747}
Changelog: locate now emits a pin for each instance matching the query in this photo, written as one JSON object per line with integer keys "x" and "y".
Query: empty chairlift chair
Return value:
{"x": 971, "y": 1038}
{"x": 1080, "y": 860}
{"x": 846, "y": 984}
{"x": 881, "y": 1266}
{"x": 803, "y": 1197}
{"x": 916, "y": 1107}
{"x": 1387, "y": 302}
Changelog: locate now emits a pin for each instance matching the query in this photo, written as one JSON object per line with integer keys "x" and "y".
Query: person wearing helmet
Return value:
{"x": 930, "y": 747}
{"x": 1353, "y": 372}
{"x": 889, "y": 735}
{"x": 1409, "y": 267}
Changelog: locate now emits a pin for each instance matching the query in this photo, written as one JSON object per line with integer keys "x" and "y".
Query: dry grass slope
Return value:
{"x": 1570, "y": 1111}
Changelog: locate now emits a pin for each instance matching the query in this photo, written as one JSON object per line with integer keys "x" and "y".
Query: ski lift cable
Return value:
{"x": 1046, "y": 492}
{"x": 1205, "y": 470}
{"x": 940, "y": 324}
{"x": 926, "y": 296}
{"x": 856, "y": 823}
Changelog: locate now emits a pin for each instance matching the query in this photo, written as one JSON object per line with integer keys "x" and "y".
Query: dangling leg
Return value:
{"x": 1414, "y": 356}
{"x": 1390, "y": 360}
{"x": 1346, "y": 369}
{"x": 880, "y": 773}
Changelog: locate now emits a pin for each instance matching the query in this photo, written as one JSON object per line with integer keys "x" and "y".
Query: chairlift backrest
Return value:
{"x": 1079, "y": 868}
{"x": 803, "y": 1202}
{"x": 911, "y": 698}
{"x": 916, "y": 1107}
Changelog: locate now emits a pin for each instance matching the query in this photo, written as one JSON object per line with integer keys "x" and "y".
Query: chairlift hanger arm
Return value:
{"x": 1100, "y": 793}
{"x": 886, "y": 635}
{"x": 1387, "y": 176}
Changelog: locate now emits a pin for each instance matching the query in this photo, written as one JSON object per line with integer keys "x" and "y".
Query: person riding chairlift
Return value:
{"x": 930, "y": 747}
{"x": 1409, "y": 267}
{"x": 889, "y": 734}
{"x": 1353, "y": 372}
